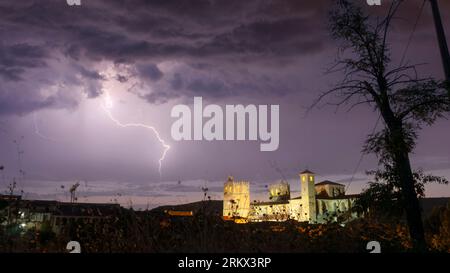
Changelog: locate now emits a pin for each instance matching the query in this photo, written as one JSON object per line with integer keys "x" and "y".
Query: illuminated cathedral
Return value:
{"x": 318, "y": 203}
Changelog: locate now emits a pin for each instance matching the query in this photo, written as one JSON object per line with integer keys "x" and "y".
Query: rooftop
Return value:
{"x": 63, "y": 209}
{"x": 348, "y": 196}
{"x": 307, "y": 171}
{"x": 328, "y": 182}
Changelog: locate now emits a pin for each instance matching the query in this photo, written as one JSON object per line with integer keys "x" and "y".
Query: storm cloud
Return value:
{"x": 216, "y": 34}
{"x": 198, "y": 33}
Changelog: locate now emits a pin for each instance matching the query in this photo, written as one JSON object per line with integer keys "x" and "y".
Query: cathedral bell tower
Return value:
{"x": 308, "y": 194}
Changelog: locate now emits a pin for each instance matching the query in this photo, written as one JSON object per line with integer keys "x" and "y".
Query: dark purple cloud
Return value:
{"x": 142, "y": 33}
{"x": 203, "y": 33}
{"x": 16, "y": 58}
{"x": 149, "y": 72}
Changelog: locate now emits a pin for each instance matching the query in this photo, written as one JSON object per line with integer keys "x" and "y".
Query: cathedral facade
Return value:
{"x": 318, "y": 203}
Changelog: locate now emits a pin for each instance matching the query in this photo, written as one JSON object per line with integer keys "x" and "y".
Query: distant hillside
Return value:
{"x": 210, "y": 207}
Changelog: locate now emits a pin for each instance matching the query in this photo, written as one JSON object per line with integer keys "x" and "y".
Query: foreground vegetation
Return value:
{"x": 132, "y": 231}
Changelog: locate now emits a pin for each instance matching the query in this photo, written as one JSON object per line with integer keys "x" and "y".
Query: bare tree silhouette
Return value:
{"x": 72, "y": 191}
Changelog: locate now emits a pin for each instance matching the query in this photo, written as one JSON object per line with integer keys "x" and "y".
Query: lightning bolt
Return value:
{"x": 38, "y": 132}
{"x": 107, "y": 106}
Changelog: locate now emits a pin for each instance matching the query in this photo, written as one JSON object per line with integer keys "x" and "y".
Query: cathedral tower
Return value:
{"x": 236, "y": 198}
{"x": 308, "y": 194}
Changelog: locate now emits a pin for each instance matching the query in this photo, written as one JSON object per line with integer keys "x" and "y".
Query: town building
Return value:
{"x": 55, "y": 215}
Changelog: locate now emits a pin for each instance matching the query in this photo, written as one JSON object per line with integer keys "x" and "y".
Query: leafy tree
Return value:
{"x": 404, "y": 101}
{"x": 383, "y": 197}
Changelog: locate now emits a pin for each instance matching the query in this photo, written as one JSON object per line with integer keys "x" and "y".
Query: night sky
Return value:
{"x": 59, "y": 63}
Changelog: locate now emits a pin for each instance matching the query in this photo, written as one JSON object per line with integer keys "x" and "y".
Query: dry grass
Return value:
{"x": 130, "y": 231}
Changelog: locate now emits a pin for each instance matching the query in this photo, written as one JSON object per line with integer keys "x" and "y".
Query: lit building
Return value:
{"x": 318, "y": 203}
{"x": 236, "y": 199}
